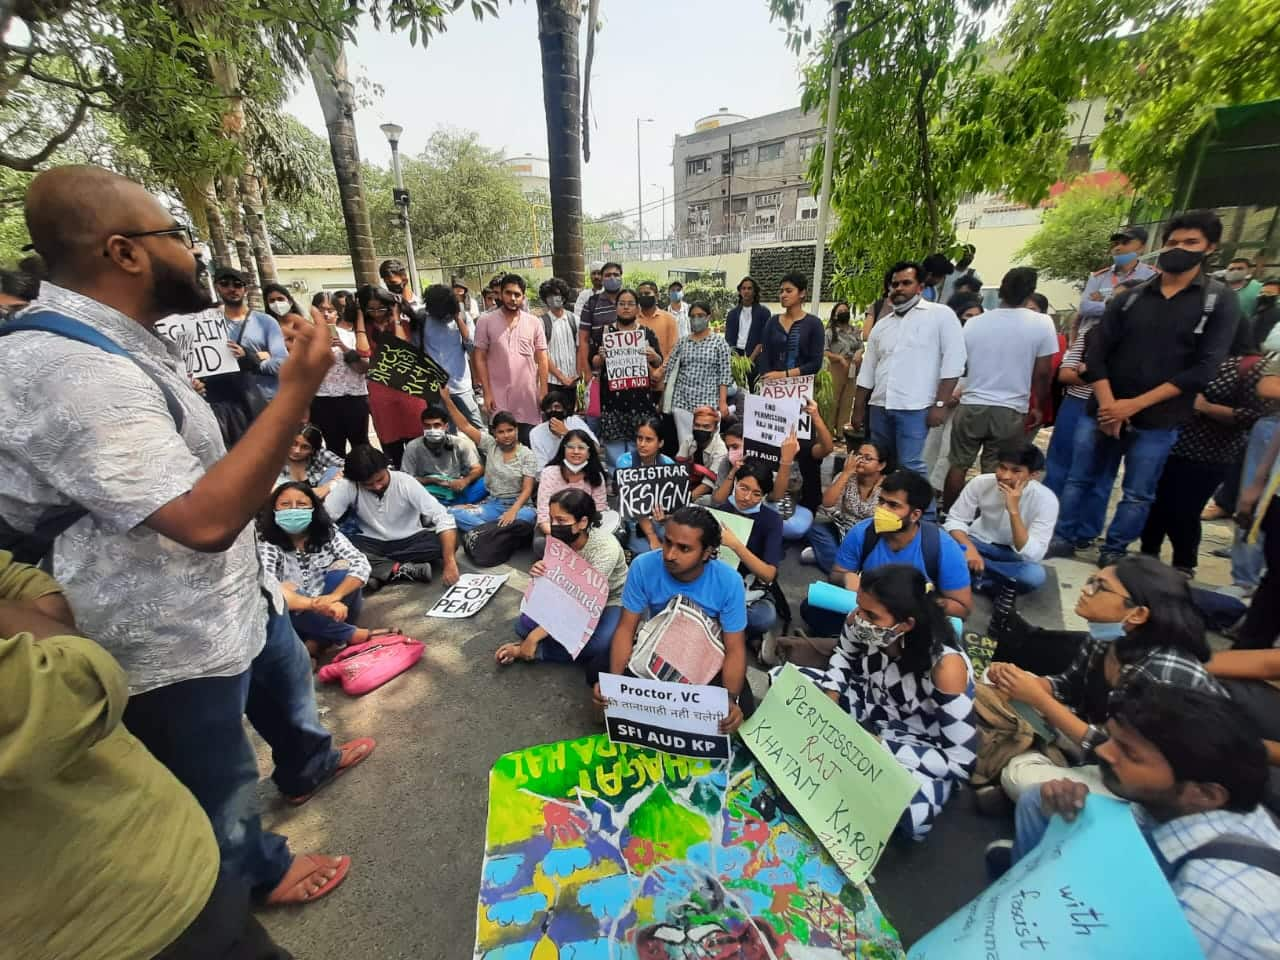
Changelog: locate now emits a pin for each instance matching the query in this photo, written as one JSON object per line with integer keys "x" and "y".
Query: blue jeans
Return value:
{"x": 488, "y": 511}
{"x": 1003, "y": 565}
{"x": 825, "y": 540}
{"x": 1057, "y": 463}
{"x": 473, "y": 492}
{"x": 637, "y": 542}
{"x": 316, "y": 626}
{"x": 1247, "y": 560}
{"x": 798, "y": 524}
{"x": 903, "y": 432}
{"x": 614, "y": 449}
{"x": 466, "y": 402}
{"x": 1143, "y": 451}
{"x": 761, "y": 616}
{"x": 1030, "y": 823}
{"x": 1092, "y": 515}
{"x": 550, "y": 650}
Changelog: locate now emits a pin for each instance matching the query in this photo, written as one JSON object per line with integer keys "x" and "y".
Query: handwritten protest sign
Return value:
{"x": 741, "y": 527}
{"x": 568, "y": 598}
{"x": 626, "y": 359}
{"x": 641, "y": 489}
{"x": 844, "y": 784}
{"x": 765, "y": 424}
{"x": 679, "y": 718}
{"x": 403, "y": 367}
{"x": 203, "y": 340}
{"x": 1090, "y": 888}
{"x": 468, "y": 596}
{"x": 799, "y": 388}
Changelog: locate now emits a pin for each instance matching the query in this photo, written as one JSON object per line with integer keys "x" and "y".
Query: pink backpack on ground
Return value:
{"x": 367, "y": 666}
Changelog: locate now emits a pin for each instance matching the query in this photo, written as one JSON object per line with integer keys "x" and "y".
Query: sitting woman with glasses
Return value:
{"x": 510, "y": 469}
{"x": 397, "y": 417}
{"x": 1143, "y": 628}
{"x": 742, "y": 494}
{"x": 645, "y": 533}
{"x": 576, "y": 465}
{"x": 310, "y": 463}
{"x": 851, "y": 498}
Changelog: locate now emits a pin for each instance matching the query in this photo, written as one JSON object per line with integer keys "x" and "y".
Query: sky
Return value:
{"x": 670, "y": 60}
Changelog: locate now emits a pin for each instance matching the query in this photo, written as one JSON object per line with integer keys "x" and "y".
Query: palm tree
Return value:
{"x": 558, "y": 22}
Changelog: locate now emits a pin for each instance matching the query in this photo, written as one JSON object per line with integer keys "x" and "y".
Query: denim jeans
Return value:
{"x": 825, "y": 541}
{"x": 1143, "y": 451}
{"x": 1057, "y": 463}
{"x": 798, "y": 524}
{"x": 473, "y": 492}
{"x": 637, "y": 542}
{"x": 614, "y": 449}
{"x": 904, "y": 433}
{"x": 1247, "y": 560}
{"x": 1091, "y": 516}
{"x": 466, "y": 402}
{"x": 316, "y": 626}
{"x": 761, "y": 616}
{"x": 550, "y": 650}
{"x": 1030, "y": 823}
{"x": 488, "y": 511}
{"x": 1003, "y": 565}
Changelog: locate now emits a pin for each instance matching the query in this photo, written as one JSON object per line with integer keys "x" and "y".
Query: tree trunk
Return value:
{"x": 256, "y": 221}
{"x": 558, "y": 22}
{"x": 217, "y": 227}
{"x": 329, "y": 76}
{"x": 244, "y": 253}
{"x": 926, "y": 155}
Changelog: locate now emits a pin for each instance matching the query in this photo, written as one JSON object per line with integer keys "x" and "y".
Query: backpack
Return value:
{"x": 34, "y": 546}
{"x": 1238, "y": 849}
{"x": 680, "y": 645}
{"x": 1210, "y": 292}
{"x": 367, "y": 666}
{"x": 930, "y": 547}
{"x": 491, "y": 544}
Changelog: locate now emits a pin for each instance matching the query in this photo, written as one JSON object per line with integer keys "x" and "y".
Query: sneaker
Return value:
{"x": 1108, "y": 559}
{"x": 1223, "y": 552}
{"x": 769, "y": 649}
{"x": 1060, "y": 548}
{"x": 807, "y": 557}
{"x": 1188, "y": 572}
{"x": 998, "y": 857}
{"x": 372, "y": 585}
{"x": 413, "y": 572}
{"x": 1004, "y": 613}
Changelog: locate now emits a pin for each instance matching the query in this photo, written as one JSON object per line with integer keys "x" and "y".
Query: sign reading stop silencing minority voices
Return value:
{"x": 202, "y": 339}
{"x": 626, "y": 359}
{"x": 402, "y": 366}
{"x": 766, "y": 423}
{"x": 677, "y": 718}
{"x": 642, "y": 489}
{"x": 842, "y": 781}
{"x": 569, "y": 597}
{"x": 468, "y": 596}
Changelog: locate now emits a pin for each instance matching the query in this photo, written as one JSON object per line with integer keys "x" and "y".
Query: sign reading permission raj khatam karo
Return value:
{"x": 403, "y": 367}
{"x": 626, "y": 359}
{"x": 641, "y": 489}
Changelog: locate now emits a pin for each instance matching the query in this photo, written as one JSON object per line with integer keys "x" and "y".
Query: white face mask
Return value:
{"x": 575, "y": 467}
{"x": 279, "y": 307}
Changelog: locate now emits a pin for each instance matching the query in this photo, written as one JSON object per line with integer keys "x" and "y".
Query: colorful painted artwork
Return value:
{"x": 602, "y": 851}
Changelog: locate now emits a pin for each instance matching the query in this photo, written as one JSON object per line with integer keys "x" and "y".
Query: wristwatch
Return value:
{"x": 939, "y": 403}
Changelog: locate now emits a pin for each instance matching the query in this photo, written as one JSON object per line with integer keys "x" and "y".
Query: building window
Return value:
{"x": 769, "y": 151}
{"x": 700, "y": 165}
{"x": 769, "y": 219}
{"x": 807, "y": 142}
{"x": 806, "y": 208}
{"x": 699, "y": 214}
{"x": 768, "y": 200}
{"x": 739, "y": 205}
{"x": 742, "y": 158}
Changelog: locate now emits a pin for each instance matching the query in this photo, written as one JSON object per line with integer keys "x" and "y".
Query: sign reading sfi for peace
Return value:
{"x": 401, "y": 366}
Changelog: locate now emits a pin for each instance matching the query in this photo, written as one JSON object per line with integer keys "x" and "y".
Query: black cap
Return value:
{"x": 228, "y": 273}
{"x": 1130, "y": 233}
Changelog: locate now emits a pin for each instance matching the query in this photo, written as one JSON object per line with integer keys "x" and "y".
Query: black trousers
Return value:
{"x": 423, "y": 547}
{"x": 1262, "y": 622}
{"x": 1185, "y": 487}
{"x": 344, "y": 421}
{"x": 225, "y": 930}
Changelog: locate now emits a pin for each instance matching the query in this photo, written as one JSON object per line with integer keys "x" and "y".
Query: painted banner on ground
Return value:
{"x": 1090, "y": 888}
{"x": 203, "y": 339}
{"x": 568, "y": 598}
{"x": 765, "y": 424}
{"x": 626, "y": 358}
{"x": 599, "y": 850}
{"x": 640, "y": 489}
{"x": 801, "y": 388}
{"x": 468, "y": 596}
{"x": 741, "y": 527}
{"x": 403, "y": 367}
{"x": 679, "y": 718}
{"x": 842, "y": 780}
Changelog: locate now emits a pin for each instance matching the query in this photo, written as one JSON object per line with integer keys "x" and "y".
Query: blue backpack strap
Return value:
{"x": 931, "y": 550}
{"x": 49, "y": 321}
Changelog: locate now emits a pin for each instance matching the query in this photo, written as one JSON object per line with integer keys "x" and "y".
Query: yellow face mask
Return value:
{"x": 886, "y": 521}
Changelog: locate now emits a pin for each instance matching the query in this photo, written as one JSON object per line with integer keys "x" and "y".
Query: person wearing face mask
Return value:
{"x": 576, "y": 465}
{"x": 622, "y": 410}
{"x": 558, "y": 418}
{"x": 575, "y": 520}
{"x": 597, "y": 315}
{"x": 561, "y": 329}
{"x": 744, "y": 494}
{"x": 1153, "y": 351}
{"x": 397, "y": 417}
{"x": 678, "y": 308}
{"x": 844, "y": 350}
{"x": 1239, "y": 277}
{"x": 443, "y": 332}
{"x": 1127, "y": 247}
{"x": 448, "y": 466}
{"x": 898, "y": 532}
{"x": 395, "y": 278}
{"x": 321, "y": 573}
{"x": 734, "y": 449}
{"x": 655, "y": 318}
{"x": 1266, "y": 316}
{"x": 899, "y": 671}
{"x": 703, "y": 374}
{"x": 310, "y": 463}
{"x": 510, "y": 470}
{"x": 260, "y": 335}
{"x": 705, "y": 453}
{"x": 1143, "y": 628}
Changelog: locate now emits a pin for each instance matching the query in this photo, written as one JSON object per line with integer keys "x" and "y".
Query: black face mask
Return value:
{"x": 395, "y": 286}
{"x": 1265, "y": 301}
{"x": 842, "y": 318}
{"x": 564, "y": 532}
{"x": 1179, "y": 260}
{"x": 552, "y": 415}
{"x": 702, "y": 437}
{"x": 646, "y": 300}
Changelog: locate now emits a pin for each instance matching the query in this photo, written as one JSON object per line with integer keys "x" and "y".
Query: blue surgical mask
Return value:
{"x": 677, "y": 296}
{"x": 1106, "y": 632}
{"x": 294, "y": 520}
{"x": 747, "y": 511}
{"x": 1124, "y": 259}
{"x": 613, "y": 284}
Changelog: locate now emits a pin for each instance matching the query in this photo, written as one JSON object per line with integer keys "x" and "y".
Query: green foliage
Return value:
{"x": 1161, "y": 84}
{"x": 721, "y": 298}
{"x": 1074, "y": 237}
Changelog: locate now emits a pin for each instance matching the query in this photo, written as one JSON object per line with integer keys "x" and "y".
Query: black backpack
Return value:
{"x": 491, "y": 545}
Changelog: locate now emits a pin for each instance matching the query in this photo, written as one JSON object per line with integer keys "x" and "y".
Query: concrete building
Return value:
{"x": 534, "y": 173}
{"x": 734, "y": 175}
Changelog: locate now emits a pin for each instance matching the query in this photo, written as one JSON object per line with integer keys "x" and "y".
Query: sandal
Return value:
{"x": 350, "y": 755}
{"x": 292, "y": 888}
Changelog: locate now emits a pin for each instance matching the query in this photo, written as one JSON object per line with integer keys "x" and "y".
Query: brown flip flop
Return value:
{"x": 352, "y": 753}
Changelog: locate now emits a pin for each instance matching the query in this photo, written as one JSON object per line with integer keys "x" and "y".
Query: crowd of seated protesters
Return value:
{"x": 510, "y": 471}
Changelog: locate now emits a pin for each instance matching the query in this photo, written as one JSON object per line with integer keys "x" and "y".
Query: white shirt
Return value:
{"x": 544, "y": 443}
{"x": 907, "y": 355}
{"x": 1003, "y": 346}
{"x": 404, "y": 508}
{"x": 980, "y": 512}
{"x": 583, "y": 297}
{"x": 563, "y": 346}
{"x": 681, "y": 312}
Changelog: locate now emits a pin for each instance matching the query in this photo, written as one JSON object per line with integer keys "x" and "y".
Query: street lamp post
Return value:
{"x": 392, "y": 132}
{"x": 839, "y": 10}
{"x": 639, "y": 182}
{"x": 664, "y": 214}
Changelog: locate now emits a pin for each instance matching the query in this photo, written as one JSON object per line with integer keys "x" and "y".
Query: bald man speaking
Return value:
{"x": 160, "y": 565}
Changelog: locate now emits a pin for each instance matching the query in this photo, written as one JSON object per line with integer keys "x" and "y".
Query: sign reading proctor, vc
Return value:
{"x": 679, "y": 718}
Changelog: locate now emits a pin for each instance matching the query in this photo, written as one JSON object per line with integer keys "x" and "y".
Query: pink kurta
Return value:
{"x": 511, "y": 352}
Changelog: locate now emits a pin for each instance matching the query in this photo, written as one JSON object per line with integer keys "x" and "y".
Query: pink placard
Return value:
{"x": 568, "y": 599}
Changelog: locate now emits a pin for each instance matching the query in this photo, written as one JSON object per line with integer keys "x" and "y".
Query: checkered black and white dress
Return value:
{"x": 931, "y": 733}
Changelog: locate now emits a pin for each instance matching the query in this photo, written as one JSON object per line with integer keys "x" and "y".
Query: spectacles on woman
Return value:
{"x": 749, "y": 493}
{"x": 1096, "y": 584}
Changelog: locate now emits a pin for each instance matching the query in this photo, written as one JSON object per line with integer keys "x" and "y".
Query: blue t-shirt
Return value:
{"x": 632, "y": 459}
{"x": 719, "y": 591}
{"x": 953, "y": 572}
{"x": 765, "y": 539}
